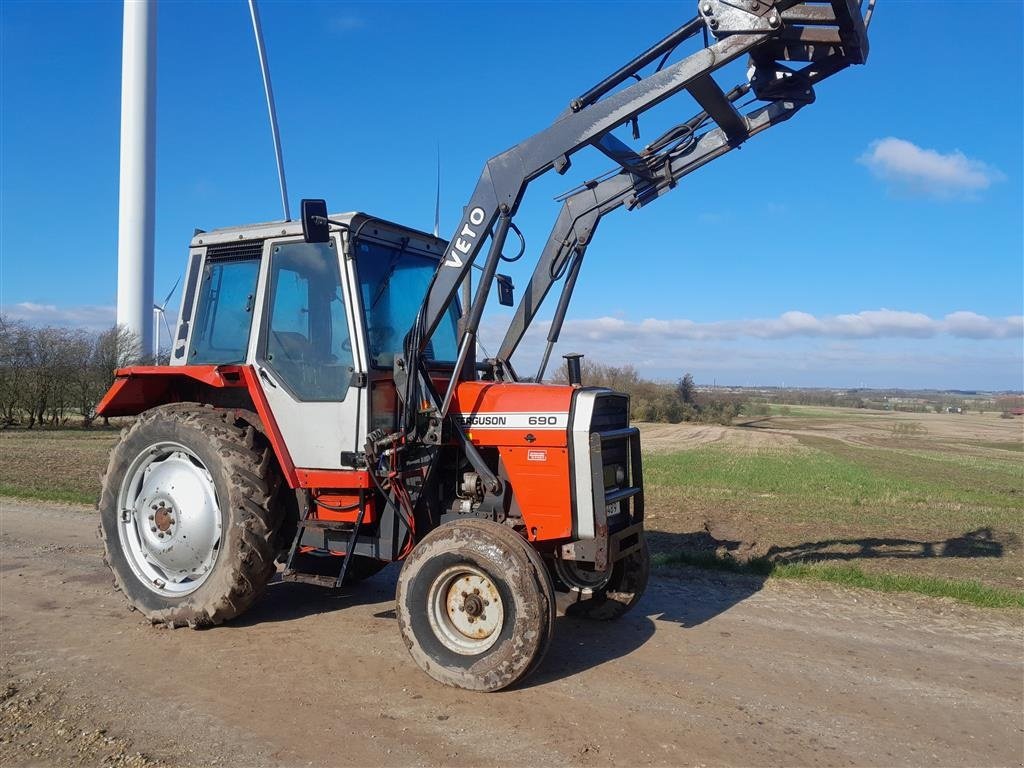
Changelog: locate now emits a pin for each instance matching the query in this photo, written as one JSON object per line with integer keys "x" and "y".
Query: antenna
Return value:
{"x": 268, "y": 88}
{"x": 437, "y": 196}
{"x": 160, "y": 313}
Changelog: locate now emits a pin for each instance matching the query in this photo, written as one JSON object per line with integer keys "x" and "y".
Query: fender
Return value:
{"x": 141, "y": 387}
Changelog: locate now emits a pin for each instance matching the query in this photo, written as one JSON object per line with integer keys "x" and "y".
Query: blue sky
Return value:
{"x": 876, "y": 239}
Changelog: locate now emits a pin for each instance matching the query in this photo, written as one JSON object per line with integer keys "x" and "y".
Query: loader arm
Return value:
{"x": 583, "y": 208}
{"x": 776, "y": 35}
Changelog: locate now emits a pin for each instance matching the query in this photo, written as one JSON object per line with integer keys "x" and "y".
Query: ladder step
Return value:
{"x": 326, "y": 525}
{"x": 309, "y": 578}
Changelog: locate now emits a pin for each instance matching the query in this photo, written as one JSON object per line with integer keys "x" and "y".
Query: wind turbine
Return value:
{"x": 160, "y": 314}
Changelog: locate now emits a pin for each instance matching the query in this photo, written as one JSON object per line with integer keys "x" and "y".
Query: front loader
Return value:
{"x": 325, "y": 407}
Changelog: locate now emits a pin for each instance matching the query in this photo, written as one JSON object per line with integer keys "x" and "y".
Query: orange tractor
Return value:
{"x": 325, "y": 407}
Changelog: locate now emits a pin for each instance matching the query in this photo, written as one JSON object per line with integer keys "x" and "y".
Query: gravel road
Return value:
{"x": 707, "y": 671}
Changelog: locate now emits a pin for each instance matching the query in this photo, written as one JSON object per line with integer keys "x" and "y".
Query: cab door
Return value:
{"x": 304, "y": 353}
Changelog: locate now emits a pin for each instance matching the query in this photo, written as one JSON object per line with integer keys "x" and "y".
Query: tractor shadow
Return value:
{"x": 711, "y": 550}
{"x": 686, "y": 600}
{"x": 287, "y": 601}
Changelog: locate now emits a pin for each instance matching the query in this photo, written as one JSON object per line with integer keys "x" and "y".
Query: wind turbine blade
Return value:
{"x": 437, "y": 196}
{"x": 167, "y": 325}
{"x": 164, "y": 305}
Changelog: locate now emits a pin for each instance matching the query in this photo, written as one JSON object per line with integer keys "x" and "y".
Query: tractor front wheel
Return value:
{"x": 186, "y": 515}
{"x": 475, "y": 605}
{"x": 605, "y": 596}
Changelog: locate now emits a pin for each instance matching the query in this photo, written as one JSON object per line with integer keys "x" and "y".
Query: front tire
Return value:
{"x": 475, "y": 605}
{"x": 606, "y": 599}
{"x": 186, "y": 515}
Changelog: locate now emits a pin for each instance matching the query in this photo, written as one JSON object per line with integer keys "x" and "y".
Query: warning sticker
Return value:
{"x": 536, "y": 455}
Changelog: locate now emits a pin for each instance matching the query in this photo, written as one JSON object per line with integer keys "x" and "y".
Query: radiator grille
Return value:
{"x": 610, "y": 412}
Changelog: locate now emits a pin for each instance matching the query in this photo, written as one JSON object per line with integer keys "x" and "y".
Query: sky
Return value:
{"x": 874, "y": 240}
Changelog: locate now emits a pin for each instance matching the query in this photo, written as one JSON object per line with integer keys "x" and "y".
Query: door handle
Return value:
{"x": 266, "y": 376}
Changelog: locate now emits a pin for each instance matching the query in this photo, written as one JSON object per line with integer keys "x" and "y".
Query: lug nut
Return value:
{"x": 487, "y": 602}
{"x": 476, "y": 591}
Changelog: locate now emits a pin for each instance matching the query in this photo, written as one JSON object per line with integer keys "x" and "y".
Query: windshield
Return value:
{"x": 392, "y": 284}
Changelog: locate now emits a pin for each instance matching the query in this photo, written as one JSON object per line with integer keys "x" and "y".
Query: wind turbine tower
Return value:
{"x": 136, "y": 216}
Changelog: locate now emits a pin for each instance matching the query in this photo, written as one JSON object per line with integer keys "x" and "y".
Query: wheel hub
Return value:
{"x": 171, "y": 524}
{"x": 466, "y": 610}
{"x": 162, "y": 517}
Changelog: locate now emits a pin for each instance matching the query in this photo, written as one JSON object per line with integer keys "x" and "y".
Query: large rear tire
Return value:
{"x": 186, "y": 515}
{"x": 613, "y": 596}
{"x": 475, "y": 605}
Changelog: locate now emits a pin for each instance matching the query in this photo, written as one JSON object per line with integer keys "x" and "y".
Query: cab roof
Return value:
{"x": 353, "y": 219}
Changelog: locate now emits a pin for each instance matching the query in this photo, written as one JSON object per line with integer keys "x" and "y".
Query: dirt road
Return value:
{"x": 707, "y": 671}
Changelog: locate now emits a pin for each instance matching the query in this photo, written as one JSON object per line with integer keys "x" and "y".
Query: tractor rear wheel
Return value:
{"x": 605, "y": 596}
{"x": 475, "y": 605}
{"x": 186, "y": 515}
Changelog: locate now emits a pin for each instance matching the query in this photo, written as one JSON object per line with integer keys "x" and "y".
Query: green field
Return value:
{"x": 922, "y": 503}
{"x": 925, "y": 503}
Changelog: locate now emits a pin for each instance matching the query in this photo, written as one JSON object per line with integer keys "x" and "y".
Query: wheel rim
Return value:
{"x": 169, "y": 519}
{"x": 465, "y": 610}
{"x": 583, "y": 580}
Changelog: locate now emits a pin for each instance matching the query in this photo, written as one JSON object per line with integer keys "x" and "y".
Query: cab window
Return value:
{"x": 224, "y": 312}
{"x": 307, "y": 342}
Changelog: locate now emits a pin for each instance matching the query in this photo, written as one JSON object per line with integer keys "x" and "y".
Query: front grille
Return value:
{"x": 611, "y": 411}
{"x": 243, "y": 250}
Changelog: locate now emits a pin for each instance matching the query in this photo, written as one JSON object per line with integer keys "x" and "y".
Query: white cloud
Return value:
{"x": 868, "y": 324}
{"x": 881, "y": 347}
{"x": 928, "y": 172}
{"x": 89, "y": 317}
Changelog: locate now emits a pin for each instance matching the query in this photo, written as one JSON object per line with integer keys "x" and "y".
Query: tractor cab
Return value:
{"x": 320, "y": 322}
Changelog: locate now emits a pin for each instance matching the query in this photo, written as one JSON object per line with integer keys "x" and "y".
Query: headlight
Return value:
{"x": 614, "y": 474}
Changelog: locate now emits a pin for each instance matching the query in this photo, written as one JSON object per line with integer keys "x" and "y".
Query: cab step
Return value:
{"x": 331, "y": 582}
{"x": 292, "y": 570}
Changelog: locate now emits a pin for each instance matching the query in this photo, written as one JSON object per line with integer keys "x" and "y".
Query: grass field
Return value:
{"x": 930, "y": 503}
{"x": 898, "y": 502}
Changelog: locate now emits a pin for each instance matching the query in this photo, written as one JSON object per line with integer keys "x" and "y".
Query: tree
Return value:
{"x": 686, "y": 390}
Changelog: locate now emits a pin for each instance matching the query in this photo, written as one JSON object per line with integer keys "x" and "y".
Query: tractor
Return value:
{"x": 326, "y": 408}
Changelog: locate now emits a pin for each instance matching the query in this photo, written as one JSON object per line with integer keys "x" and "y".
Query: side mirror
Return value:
{"x": 505, "y": 291}
{"x": 315, "y": 227}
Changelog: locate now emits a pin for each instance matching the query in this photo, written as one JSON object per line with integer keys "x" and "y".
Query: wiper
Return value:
{"x": 392, "y": 266}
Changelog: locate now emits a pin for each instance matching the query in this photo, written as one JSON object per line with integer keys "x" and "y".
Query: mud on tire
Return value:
{"x": 243, "y": 477}
{"x": 475, "y": 605}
